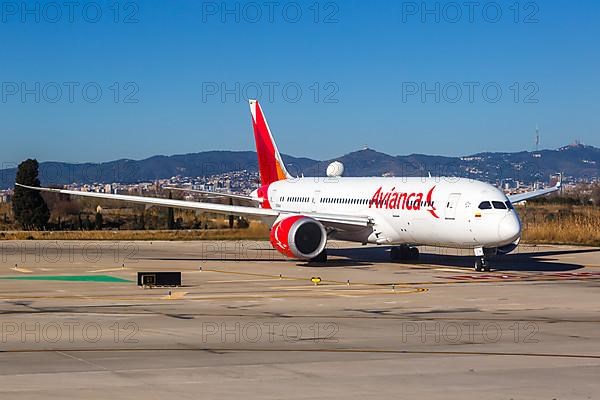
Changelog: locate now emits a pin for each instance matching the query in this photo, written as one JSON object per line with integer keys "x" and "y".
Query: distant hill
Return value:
{"x": 576, "y": 162}
{"x": 156, "y": 167}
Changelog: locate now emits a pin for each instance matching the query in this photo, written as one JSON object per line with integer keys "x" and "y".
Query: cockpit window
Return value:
{"x": 509, "y": 205}
{"x": 498, "y": 205}
{"x": 485, "y": 205}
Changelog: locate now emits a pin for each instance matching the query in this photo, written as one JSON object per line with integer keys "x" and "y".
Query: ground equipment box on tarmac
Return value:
{"x": 159, "y": 279}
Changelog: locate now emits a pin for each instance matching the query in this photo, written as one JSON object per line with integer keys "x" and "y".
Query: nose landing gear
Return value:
{"x": 482, "y": 264}
{"x": 404, "y": 252}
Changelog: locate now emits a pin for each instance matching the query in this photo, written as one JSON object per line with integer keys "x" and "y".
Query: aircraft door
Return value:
{"x": 451, "y": 205}
{"x": 273, "y": 199}
{"x": 315, "y": 200}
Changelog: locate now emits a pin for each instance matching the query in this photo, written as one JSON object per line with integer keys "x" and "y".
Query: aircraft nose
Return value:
{"x": 509, "y": 229}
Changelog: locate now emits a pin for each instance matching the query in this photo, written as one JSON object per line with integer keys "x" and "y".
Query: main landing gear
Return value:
{"x": 319, "y": 258}
{"x": 404, "y": 252}
{"x": 482, "y": 264}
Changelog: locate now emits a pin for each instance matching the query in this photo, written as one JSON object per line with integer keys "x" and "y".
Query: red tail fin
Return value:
{"x": 270, "y": 164}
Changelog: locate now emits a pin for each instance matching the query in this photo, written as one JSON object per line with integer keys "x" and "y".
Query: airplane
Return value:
{"x": 402, "y": 212}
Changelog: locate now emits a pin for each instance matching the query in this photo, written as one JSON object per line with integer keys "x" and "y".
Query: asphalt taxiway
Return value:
{"x": 248, "y": 323}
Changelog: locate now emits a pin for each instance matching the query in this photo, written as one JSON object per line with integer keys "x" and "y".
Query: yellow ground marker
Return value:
{"x": 174, "y": 296}
{"x": 237, "y": 281}
{"x": 452, "y": 270}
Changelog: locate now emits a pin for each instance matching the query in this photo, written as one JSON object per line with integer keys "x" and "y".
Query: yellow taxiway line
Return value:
{"x": 23, "y": 270}
{"x": 108, "y": 270}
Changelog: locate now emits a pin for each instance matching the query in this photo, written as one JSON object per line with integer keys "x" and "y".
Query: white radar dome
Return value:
{"x": 335, "y": 169}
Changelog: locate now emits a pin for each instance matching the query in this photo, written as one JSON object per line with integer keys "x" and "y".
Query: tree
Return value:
{"x": 242, "y": 223}
{"x": 142, "y": 220}
{"x": 99, "y": 220}
{"x": 596, "y": 194}
{"x": 29, "y": 207}
{"x": 231, "y": 219}
{"x": 170, "y": 215}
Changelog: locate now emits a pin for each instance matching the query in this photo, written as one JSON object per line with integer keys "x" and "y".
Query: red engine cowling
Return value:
{"x": 299, "y": 237}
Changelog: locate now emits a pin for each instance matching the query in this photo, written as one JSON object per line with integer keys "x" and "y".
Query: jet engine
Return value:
{"x": 509, "y": 247}
{"x": 299, "y": 236}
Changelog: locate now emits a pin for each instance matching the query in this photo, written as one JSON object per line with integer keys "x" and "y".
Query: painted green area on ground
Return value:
{"x": 68, "y": 278}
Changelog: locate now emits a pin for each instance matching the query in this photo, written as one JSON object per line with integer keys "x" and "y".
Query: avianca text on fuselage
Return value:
{"x": 394, "y": 200}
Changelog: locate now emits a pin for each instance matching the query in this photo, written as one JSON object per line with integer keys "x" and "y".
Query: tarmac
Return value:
{"x": 249, "y": 324}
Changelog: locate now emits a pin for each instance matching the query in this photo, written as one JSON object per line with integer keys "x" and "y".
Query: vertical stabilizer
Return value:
{"x": 270, "y": 164}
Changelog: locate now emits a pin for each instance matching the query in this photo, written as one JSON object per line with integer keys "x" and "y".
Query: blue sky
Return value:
{"x": 106, "y": 80}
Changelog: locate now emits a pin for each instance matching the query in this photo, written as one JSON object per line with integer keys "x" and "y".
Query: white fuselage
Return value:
{"x": 439, "y": 211}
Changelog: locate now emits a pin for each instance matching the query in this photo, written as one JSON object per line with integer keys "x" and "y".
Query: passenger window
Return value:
{"x": 498, "y": 205}
{"x": 485, "y": 205}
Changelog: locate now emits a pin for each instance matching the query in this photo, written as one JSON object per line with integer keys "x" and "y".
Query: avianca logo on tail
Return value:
{"x": 394, "y": 200}
{"x": 270, "y": 164}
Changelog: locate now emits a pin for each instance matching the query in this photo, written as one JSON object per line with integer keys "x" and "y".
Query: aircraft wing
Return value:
{"x": 516, "y": 198}
{"x": 217, "y": 194}
{"x": 326, "y": 219}
{"x": 156, "y": 201}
